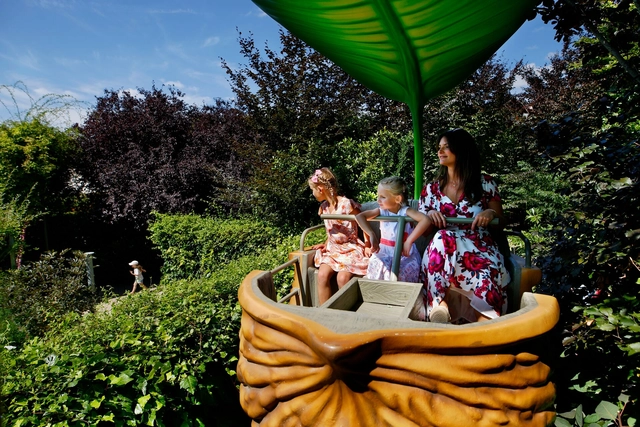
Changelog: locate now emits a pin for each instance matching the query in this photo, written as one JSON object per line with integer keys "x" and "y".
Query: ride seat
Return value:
{"x": 523, "y": 276}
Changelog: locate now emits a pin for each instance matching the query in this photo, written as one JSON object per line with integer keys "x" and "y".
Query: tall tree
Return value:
{"x": 153, "y": 152}
{"x": 297, "y": 95}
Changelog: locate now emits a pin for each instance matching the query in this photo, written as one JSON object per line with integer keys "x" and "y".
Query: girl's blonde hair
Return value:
{"x": 325, "y": 177}
{"x": 396, "y": 186}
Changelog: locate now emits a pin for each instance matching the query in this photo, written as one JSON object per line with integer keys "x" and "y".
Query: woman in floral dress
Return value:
{"x": 462, "y": 258}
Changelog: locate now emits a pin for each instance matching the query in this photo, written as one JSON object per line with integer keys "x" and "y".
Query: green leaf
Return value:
{"x": 607, "y": 410}
{"x": 122, "y": 379}
{"x": 579, "y": 415}
{"x": 403, "y": 49}
{"x": 591, "y": 418}
{"x": 95, "y": 404}
{"x": 561, "y": 422}
{"x": 189, "y": 383}
{"x": 633, "y": 348}
{"x": 143, "y": 400}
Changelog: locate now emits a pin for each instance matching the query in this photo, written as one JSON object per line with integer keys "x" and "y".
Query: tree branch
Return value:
{"x": 613, "y": 51}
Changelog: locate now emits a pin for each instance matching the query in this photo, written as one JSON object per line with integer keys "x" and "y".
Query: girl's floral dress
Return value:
{"x": 380, "y": 262}
{"x": 467, "y": 260}
{"x": 344, "y": 250}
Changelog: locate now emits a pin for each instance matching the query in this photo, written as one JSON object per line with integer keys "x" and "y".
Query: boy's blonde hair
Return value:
{"x": 396, "y": 186}
{"x": 325, "y": 177}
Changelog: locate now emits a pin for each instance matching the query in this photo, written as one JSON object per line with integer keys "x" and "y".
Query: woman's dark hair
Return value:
{"x": 468, "y": 166}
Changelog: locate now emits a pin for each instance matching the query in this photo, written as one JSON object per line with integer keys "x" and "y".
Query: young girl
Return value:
{"x": 343, "y": 252}
{"x": 392, "y": 201}
{"x": 137, "y": 273}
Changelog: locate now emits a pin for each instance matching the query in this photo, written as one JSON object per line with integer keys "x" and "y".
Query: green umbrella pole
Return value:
{"x": 416, "y": 115}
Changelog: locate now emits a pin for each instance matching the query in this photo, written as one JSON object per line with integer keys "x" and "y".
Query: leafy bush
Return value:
{"x": 193, "y": 246}
{"x": 39, "y": 293}
{"x": 591, "y": 263}
{"x": 165, "y": 357}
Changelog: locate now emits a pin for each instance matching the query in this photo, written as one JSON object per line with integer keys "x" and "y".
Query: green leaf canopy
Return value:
{"x": 406, "y": 50}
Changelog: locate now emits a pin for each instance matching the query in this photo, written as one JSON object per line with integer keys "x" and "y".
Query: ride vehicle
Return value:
{"x": 361, "y": 358}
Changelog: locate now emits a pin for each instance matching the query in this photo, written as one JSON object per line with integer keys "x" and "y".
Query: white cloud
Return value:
{"x": 172, "y": 11}
{"x": 61, "y": 4}
{"x": 211, "y": 41}
{"x": 518, "y": 85}
{"x": 179, "y": 51}
{"x": 67, "y": 62}
{"x": 177, "y": 83}
{"x": 28, "y": 60}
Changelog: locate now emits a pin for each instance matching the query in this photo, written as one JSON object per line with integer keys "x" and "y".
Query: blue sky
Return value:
{"x": 82, "y": 47}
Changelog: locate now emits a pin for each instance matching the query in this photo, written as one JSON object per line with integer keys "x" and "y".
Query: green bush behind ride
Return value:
{"x": 165, "y": 357}
{"x": 192, "y": 246}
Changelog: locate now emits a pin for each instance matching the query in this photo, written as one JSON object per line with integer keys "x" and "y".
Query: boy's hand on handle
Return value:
{"x": 406, "y": 248}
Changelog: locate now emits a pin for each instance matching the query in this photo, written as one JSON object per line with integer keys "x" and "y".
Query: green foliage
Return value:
{"x": 37, "y": 159}
{"x": 590, "y": 258}
{"x": 155, "y": 359}
{"x": 284, "y": 196}
{"x": 194, "y": 247}
{"x": 533, "y": 196}
{"x": 14, "y": 218}
{"x": 607, "y": 335}
{"x": 384, "y": 154}
{"x": 35, "y": 296}
{"x": 164, "y": 357}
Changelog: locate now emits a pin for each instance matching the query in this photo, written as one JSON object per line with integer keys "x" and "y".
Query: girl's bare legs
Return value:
{"x": 324, "y": 286}
{"x": 135, "y": 286}
{"x": 343, "y": 278}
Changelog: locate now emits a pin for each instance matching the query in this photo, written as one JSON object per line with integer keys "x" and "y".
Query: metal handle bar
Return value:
{"x": 452, "y": 220}
{"x": 401, "y": 220}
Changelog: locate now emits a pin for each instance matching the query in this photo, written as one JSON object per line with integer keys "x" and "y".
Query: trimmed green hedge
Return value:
{"x": 192, "y": 246}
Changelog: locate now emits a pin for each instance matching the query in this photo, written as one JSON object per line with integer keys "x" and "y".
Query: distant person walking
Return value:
{"x": 136, "y": 271}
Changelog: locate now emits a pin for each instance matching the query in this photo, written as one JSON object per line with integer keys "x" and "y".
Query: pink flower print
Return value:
{"x": 473, "y": 262}
{"x": 439, "y": 287}
{"x": 434, "y": 187}
{"x": 449, "y": 242}
{"x": 424, "y": 192}
{"x": 495, "y": 299}
{"x": 448, "y": 209}
{"x": 436, "y": 262}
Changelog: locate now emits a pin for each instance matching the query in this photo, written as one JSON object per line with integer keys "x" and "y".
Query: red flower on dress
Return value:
{"x": 495, "y": 299}
{"x": 449, "y": 242}
{"x": 474, "y": 262}
{"x": 448, "y": 209}
{"x": 436, "y": 261}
